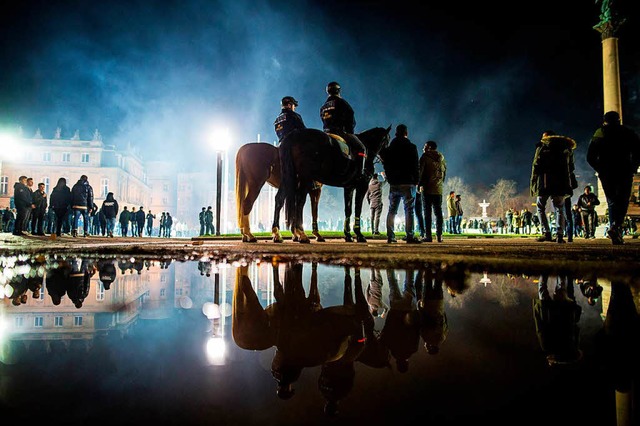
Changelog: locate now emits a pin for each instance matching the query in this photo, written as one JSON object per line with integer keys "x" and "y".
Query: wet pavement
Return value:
{"x": 180, "y": 331}
{"x": 478, "y": 254}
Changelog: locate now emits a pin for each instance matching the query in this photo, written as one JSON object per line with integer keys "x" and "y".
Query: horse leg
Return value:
{"x": 301, "y": 198}
{"x": 348, "y": 196}
{"x": 361, "y": 191}
{"x": 245, "y": 230}
{"x": 314, "y": 196}
{"x": 275, "y": 227}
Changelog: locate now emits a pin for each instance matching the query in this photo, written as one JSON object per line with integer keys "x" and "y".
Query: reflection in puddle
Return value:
{"x": 278, "y": 341}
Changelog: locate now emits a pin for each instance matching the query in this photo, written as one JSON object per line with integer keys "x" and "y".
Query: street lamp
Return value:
{"x": 220, "y": 141}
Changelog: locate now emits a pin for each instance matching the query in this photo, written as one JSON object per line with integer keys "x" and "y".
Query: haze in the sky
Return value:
{"x": 161, "y": 76}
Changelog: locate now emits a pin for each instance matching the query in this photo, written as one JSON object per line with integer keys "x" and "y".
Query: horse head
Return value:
{"x": 374, "y": 140}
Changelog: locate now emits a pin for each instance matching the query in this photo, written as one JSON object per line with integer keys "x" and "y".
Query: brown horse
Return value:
{"x": 258, "y": 163}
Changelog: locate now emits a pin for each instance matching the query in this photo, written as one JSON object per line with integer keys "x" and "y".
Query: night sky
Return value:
{"x": 483, "y": 80}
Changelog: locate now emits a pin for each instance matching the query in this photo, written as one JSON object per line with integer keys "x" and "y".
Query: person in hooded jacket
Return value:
{"x": 614, "y": 153}
{"x": 551, "y": 174}
{"x": 110, "y": 210}
{"x": 60, "y": 202}
{"x": 433, "y": 171}
{"x": 82, "y": 204}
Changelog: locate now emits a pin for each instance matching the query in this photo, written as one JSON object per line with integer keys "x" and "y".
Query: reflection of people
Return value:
{"x": 400, "y": 332}
{"x": 591, "y": 290}
{"x": 434, "y": 326}
{"x": 106, "y": 272}
{"x": 614, "y": 153}
{"x": 556, "y": 318}
{"x": 79, "y": 280}
{"x": 377, "y": 307}
{"x": 57, "y": 282}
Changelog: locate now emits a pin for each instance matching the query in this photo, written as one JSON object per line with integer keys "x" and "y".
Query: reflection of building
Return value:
{"x": 136, "y": 293}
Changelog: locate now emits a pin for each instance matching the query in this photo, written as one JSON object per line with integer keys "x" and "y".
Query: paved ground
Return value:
{"x": 478, "y": 254}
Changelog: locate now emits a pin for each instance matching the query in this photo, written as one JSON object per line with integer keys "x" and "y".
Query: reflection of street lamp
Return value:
{"x": 220, "y": 141}
{"x": 216, "y": 347}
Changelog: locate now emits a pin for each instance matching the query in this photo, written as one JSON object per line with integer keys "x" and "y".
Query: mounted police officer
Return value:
{"x": 338, "y": 118}
{"x": 288, "y": 120}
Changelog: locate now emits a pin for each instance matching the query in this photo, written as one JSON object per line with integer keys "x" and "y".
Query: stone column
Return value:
{"x": 608, "y": 27}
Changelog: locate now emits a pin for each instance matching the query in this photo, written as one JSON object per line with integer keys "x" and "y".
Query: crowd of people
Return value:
{"x": 66, "y": 211}
{"x": 418, "y": 180}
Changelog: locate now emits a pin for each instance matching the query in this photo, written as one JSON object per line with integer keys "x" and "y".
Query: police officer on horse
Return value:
{"x": 288, "y": 120}
{"x": 338, "y": 118}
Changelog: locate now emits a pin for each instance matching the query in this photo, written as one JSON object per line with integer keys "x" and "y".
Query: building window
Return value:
{"x": 38, "y": 321}
{"x": 77, "y": 321}
{"x": 46, "y": 157}
{"x": 19, "y": 322}
{"x": 66, "y": 157}
{"x": 58, "y": 321}
{"x": 165, "y": 187}
{"x": 47, "y": 184}
{"x": 85, "y": 157}
{"x": 4, "y": 185}
{"x": 165, "y": 201}
{"x": 163, "y": 293}
{"x": 100, "y": 292}
{"x": 104, "y": 187}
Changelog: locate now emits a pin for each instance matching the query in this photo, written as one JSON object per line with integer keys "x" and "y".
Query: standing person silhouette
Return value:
{"x": 614, "y": 153}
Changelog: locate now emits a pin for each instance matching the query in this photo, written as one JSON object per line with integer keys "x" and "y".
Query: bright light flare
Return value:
{"x": 9, "y": 146}
{"x": 220, "y": 139}
{"x": 216, "y": 350}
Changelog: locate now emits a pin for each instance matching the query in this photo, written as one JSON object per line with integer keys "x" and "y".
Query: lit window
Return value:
{"x": 85, "y": 157}
{"x": 66, "y": 157}
{"x": 4, "y": 185}
{"x": 104, "y": 187}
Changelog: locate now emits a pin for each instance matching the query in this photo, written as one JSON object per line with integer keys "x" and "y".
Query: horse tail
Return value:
{"x": 288, "y": 182}
{"x": 242, "y": 187}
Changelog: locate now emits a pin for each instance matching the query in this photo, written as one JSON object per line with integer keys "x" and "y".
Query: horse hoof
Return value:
{"x": 348, "y": 239}
{"x": 320, "y": 239}
{"x": 277, "y": 240}
{"x": 362, "y": 239}
{"x": 305, "y": 241}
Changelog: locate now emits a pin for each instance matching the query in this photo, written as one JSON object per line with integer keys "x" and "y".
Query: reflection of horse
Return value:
{"x": 310, "y": 155}
{"x": 257, "y": 163}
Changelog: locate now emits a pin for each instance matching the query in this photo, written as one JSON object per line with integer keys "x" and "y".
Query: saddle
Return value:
{"x": 346, "y": 148}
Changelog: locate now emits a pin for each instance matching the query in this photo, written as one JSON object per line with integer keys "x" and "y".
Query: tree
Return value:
{"x": 501, "y": 194}
{"x": 458, "y": 185}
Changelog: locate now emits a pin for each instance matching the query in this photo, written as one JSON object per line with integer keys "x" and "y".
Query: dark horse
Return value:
{"x": 310, "y": 155}
{"x": 258, "y": 163}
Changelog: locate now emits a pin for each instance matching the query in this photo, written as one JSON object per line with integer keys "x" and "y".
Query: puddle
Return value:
{"x": 143, "y": 339}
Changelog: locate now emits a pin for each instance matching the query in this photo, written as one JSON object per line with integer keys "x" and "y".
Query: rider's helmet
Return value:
{"x": 289, "y": 100}
{"x": 333, "y": 88}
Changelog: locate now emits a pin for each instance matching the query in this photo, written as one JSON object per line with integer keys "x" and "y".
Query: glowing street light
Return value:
{"x": 220, "y": 140}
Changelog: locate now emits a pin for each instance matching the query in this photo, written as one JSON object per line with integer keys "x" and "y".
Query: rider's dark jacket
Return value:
{"x": 286, "y": 122}
{"x": 337, "y": 116}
